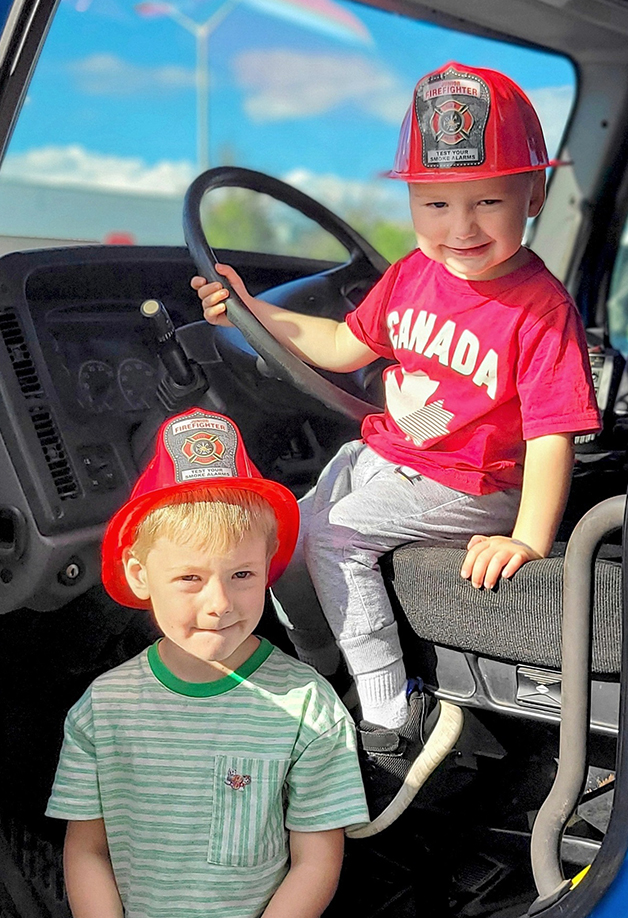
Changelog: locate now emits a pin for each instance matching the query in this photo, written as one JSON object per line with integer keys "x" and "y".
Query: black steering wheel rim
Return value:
{"x": 285, "y": 364}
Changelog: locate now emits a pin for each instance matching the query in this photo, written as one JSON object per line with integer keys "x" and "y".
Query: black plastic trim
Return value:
{"x": 17, "y": 68}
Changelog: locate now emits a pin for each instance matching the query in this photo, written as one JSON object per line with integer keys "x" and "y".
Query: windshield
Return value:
{"x": 130, "y": 101}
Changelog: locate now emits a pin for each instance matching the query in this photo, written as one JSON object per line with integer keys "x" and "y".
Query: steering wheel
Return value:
{"x": 364, "y": 261}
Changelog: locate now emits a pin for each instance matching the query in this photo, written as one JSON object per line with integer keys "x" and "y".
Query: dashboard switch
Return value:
{"x": 101, "y": 465}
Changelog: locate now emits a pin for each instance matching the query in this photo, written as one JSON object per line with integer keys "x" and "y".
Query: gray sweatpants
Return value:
{"x": 361, "y": 507}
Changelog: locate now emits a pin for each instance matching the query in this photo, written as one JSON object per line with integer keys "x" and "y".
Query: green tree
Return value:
{"x": 237, "y": 219}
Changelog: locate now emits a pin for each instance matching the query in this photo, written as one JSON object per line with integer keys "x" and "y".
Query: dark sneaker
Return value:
{"x": 396, "y": 763}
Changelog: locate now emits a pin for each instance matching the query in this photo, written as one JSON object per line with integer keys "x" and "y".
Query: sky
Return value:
{"x": 315, "y": 97}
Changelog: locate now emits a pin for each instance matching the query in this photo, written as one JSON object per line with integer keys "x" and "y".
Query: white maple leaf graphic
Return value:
{"x": 407, "y": 405}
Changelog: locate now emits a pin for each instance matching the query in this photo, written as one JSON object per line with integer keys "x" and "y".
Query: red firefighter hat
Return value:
{"x": 195, "y": 450}
{"x": 469, "y": 123}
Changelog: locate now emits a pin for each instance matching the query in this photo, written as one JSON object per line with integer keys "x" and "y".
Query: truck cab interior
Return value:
{"x": 136, "y": 136}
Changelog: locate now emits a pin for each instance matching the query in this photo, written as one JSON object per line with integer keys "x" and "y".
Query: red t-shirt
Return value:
{"x": 480, "y": 368}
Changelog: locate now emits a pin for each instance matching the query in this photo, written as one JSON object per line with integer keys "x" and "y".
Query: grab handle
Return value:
{"x": 578, "y": 580}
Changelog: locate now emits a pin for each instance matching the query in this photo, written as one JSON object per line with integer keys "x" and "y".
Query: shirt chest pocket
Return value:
{"x": 247, "y": 822}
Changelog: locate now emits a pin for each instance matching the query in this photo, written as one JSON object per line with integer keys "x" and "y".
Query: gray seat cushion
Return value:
{"x": 519, "y": 621}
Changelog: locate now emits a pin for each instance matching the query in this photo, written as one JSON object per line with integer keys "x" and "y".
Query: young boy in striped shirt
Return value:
{"x": 212, "y": 774}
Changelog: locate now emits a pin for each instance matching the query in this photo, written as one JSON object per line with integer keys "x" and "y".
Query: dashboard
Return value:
{"x": 92, "y": 369}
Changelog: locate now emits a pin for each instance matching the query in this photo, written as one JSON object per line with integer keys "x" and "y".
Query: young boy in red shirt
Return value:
{"x": 490, "y": 383}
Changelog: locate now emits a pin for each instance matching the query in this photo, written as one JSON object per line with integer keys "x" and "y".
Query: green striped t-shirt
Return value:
{"x": 198, "y": 783}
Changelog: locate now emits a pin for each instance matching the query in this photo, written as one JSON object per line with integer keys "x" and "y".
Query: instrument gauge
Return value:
{"x": 96, "y": 386}
{"x": 137, "y": 382}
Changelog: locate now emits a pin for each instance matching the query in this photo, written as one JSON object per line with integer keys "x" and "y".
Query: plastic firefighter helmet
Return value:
{"x": 468, "y": 123}
{"x": 195, "y": 451}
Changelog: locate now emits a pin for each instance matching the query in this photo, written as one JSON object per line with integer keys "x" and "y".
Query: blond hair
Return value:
{"x": 216, "y": 518}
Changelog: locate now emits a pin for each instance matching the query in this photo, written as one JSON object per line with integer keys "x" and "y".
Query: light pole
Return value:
{"x": 201, "y": 32}
{"x": 320, "y": 15}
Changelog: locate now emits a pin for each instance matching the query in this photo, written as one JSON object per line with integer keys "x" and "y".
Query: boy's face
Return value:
{"x": 475, "y": 228}
{"x": 207, "y": 605}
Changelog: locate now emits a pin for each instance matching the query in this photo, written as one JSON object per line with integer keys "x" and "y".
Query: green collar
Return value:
{"x": 206, "y": 689}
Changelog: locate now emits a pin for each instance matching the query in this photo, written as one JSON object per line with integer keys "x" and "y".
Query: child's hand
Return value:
{"x": 489, "y": 557}
{"x": 212, "y": 294}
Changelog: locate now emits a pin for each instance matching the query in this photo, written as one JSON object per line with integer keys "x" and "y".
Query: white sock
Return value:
{"x": 383, "y": 695}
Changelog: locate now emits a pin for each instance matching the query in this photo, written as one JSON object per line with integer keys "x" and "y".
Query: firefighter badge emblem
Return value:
{"x": 203, "y": 448}
{"x": 451, "y": 122}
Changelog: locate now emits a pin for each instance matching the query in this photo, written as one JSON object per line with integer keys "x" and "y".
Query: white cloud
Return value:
{"x": 107, "y": 74}
{"x": 553, "y": 105}
{"x": 75, "y": 166}
{"x": 287, "y": 84}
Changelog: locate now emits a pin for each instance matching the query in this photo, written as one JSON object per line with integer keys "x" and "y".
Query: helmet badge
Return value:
{"x": 452, "y": 109}
{"x": 201, "y": 445}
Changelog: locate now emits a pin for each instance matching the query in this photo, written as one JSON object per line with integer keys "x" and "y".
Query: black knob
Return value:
{"x": 171, "y": 353}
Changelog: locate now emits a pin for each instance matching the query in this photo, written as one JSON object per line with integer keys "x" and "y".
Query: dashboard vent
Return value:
{"x": 30, "y": 385}
{"x": 19, "y": 354}
{"x": 54, "y": 453}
